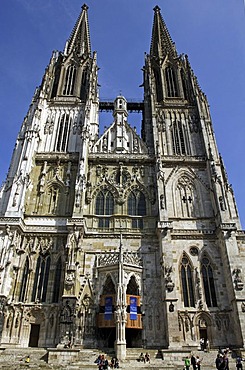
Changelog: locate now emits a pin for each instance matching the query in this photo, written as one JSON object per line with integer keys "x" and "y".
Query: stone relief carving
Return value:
{"x": 70, "y": 278}
{"x": 49, "y": 126}
{"x": 67, "y": 312}
{"x": 193, "y": 124}
{"x": 238, "y": 283}
{"x": 45, "y": 245}
{"x": 186, "y": 325}
{"x": 168, "y": 270}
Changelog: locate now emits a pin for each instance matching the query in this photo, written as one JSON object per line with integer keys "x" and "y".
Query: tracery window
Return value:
{"x": 24, "y": 281}
{"x": 137, "y": 207}
{"x": 208, "y": 283}
{"x": 180, "y": 141}
{"x": 187, "y": 282}
{"x": 57, "y": 281}
{"x": 186, "y": 198}
{"x": 104, "y": 205}
{"x": 70, "y": 80}
{"x": 63, "y": 131}
{"x": 171, "y": 82}
{"x": 40, "y": 286}
{"x": 53, "y": 197}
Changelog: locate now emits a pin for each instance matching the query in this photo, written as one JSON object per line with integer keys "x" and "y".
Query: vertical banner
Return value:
{"x": 108, "y": 308}
{"x": 133, "y": 308}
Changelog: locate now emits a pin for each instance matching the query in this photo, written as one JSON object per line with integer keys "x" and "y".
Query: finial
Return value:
{"x": 156, "y": 9}
{"x": 85, "y": 7}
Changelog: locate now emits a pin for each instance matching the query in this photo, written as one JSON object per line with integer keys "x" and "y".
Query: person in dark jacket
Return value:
{"x": 193, "y": 362}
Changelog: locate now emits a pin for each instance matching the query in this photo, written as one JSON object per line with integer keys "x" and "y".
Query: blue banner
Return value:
{"x": 133, "y": 308}
{"x": 108, "y": 308}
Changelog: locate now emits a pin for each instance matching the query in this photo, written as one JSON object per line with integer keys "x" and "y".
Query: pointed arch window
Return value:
{"x": 187, "y": 282}
{"x": 104, "y": 205}
{"x": 158, "y": 83}
{"x": 70, "y": 80}
{"x": 63, "y": 131}
{"x": 184, "y": 83}
{"x": 57, "y": 282}
{"x": 24, "y": 281}
{"x": 132, "y": 287}
{"x": 181, "y": 145}
{"x": 186, "y": 199}
{"x": 208, "y": 283}
{"x": 40, "y": 286}
{"x": 137, "y": 207}
{"x": 83, "y": 90}
{"x": 56, "y": 81}
{"x": 172, "y": 90}
{"x": 53, "y": 198}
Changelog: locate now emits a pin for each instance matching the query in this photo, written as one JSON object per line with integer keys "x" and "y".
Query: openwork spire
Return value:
{"x": 79, "y": 39}
{"x": 161, "y": 42}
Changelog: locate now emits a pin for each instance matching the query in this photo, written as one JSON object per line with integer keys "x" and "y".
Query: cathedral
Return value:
{"x": 119, "y": 240}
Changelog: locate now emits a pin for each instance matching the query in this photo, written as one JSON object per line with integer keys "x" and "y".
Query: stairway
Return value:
{"x": 14, "y": 359}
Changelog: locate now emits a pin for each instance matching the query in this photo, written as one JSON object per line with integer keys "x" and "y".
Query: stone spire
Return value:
{"x": 161, "y": 42}
{"x": 79, "y": 39}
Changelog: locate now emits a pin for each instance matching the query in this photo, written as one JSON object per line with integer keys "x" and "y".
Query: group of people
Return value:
{"x": 204, "y": 345}
{"x": 104, "y": 364}
{"x": 222, "y": 360}
{"x": 144, "y": 358}
{"x": 193, "y": 361}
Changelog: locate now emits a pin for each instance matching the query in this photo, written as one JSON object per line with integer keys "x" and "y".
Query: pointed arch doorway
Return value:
{"x": 119, "y": 321}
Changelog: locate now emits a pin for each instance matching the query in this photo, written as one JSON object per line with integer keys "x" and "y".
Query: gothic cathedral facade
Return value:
{"x": 119, "y": 240}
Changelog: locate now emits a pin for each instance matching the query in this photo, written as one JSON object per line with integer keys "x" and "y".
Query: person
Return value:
{"x": 207, "y": 345}
{"x": 198, "y": 363}
{"x": 112, "y": 363}
{"x": 147, "y": 357}
{"x": 187, "y": 363}
{"x": 218, "y": 361}
{"x": 141, "y": 357}
{"x": 202, "y": 344}
{"x": 239, "y": 363}
{"x": 27, "y": 359}
{"x": 193, "y": 361}
{"x": 226, "y": 361}
{"x": 97, "y": 361}
{"x": 116, "y": 363}
{"x": 101, "y": 363}
{"x": 224, "y": 365}
{"x": 106, "y": 364}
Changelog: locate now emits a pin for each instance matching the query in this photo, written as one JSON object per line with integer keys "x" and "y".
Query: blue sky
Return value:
{"x": 211, "y": 32}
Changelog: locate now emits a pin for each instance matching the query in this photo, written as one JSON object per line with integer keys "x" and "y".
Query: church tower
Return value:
{"x": 119, "y": 240}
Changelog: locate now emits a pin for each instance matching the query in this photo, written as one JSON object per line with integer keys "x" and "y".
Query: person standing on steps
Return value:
{"x": 218, "y": 361}
{"x": 198, "y": 363}
{"x": 193, "y": 361}
{"x": 187, "y": 363}
{"x": 239, "y": 363}
{"x": 147, "y": 357}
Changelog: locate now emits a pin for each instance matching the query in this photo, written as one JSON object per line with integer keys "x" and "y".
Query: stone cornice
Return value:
{"x": 192, "y": 234}
{"x": 129, "y": 158}
{"x": 51, "y": 157}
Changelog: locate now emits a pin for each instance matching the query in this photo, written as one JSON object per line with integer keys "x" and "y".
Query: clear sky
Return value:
{"x": 211, "y": 32}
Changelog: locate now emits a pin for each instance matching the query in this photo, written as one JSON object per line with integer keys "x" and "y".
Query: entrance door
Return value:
{"x": 34, "y": 335}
